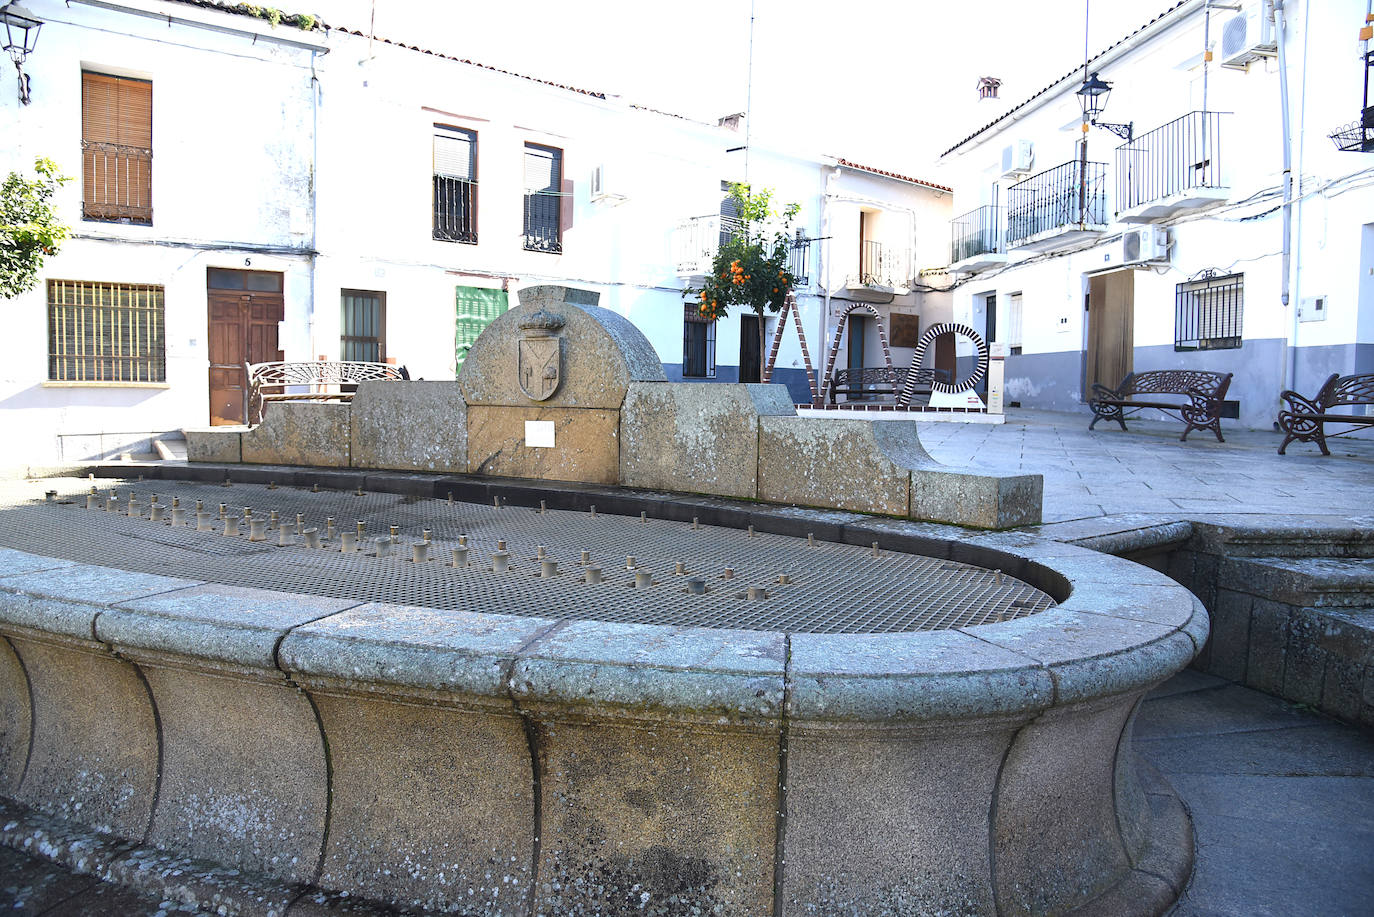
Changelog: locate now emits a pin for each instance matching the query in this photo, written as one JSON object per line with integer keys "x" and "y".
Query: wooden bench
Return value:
{"x": 1304, "y": 419}
{"x": 328, "y": 381}
{"x": 1203, "y": 390}
{"x": 881, "y": 380}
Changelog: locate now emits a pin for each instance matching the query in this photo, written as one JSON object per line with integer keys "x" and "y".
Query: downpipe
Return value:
{"x": 1290, "y": 363}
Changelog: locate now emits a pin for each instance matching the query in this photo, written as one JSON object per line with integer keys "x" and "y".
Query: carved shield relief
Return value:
{"x": 540, "y": 366}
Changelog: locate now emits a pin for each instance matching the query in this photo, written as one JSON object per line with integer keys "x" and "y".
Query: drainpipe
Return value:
{"x": 314, "y": 204}
{"x": 823, "y": 341}
{"x": 1291, "y": 363}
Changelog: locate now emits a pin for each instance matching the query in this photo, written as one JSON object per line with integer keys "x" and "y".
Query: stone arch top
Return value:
{"x": 558, "y": 338}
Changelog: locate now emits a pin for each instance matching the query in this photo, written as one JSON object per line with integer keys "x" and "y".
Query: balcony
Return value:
{"x": 696, "y": 241}
{"x": 976, "y": 241}
{"x": 455, "y": 210}
{"x": 117, "y": 182}
{"x": 883, "y": 269}
{"x": 1172, "y": 170}
{"x": 1059, "y": 208}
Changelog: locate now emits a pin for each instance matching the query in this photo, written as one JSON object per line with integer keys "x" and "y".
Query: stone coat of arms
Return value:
{"x": 540, "y": 362}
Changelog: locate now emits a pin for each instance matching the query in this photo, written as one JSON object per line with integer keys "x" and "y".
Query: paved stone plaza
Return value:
{"x": 1282, "y": 798}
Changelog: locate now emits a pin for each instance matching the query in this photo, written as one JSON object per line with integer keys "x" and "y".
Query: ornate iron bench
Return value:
{"x": 881, "y": 380}
{"x": 328, "y": 380}
{"x": 1304, "y": 419}
{"x": 1203, "y": 390}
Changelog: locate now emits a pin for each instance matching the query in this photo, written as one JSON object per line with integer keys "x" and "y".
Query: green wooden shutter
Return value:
{"x": 477, "y": 307}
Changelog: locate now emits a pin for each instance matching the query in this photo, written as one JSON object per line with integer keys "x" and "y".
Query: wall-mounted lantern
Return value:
{"x": 1092, "y": 97}
{"x": 21, "y": 35}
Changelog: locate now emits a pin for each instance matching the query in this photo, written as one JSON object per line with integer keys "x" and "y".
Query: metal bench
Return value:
{"x": 1304, "y": 419}
{"x": 881, "y": 380}
{"x": 1203, "y": 390}
{"x": 327, "y": 381}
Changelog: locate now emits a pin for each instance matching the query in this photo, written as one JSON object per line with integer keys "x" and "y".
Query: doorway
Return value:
{"x": 985, "y": 323}
{"x": 1111, "y": 329}
{"x": 750, "y": 348}
{"x": 243, "y": 309}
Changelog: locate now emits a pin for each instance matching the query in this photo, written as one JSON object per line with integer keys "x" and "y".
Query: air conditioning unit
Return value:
{"x": 1149, "y": 243}
{"x": 1248, "y": 34}
{"x": 1017, "y": 158}
{"x": 602, "y": 188}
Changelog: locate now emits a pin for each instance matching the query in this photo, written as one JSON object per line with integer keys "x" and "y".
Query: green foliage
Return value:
{"x": 303, "y": 21}
{"x": 29, "y": 227}
{"x": 751, "y": 269}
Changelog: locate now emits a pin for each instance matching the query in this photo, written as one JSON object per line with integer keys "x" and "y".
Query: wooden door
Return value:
{"x": 750, "y": 347}
{"x": 242, "y": 329}
{"x": 1111, "y": 330}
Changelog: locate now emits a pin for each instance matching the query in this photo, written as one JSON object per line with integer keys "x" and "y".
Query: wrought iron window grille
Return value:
{"x": 1209, "y": 312}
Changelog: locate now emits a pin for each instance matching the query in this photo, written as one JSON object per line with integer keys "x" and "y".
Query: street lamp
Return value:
{"x": 21, "y": 35}
{"x": 1092, "y": 96}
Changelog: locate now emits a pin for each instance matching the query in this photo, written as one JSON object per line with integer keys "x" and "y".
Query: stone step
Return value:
{"x": 1290, "y": 536}
{"x": 1317, "y": 582}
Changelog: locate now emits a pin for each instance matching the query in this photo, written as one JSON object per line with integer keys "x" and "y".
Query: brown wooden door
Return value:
{"x": 242, "y": 329}
{"x": 1111, "y": 329}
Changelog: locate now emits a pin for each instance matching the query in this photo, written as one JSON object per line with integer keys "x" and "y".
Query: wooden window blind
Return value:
{"x": 543, "y": 204}
{"x": 106, "y": 332}
{"x": 116, "y": 148}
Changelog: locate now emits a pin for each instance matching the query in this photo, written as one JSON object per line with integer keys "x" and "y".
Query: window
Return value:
{"x": 1208, "y": 312}
{"x": 543, "y": 202}
{"x": 1014, "y": 324}
{"x": 363, "y": 321}
{"x": 698, "y": 345}
{"x": 730, "y": 222}
{"x": 477, "y": 307}
{"x": 116, "y": 148}
{"x": 455, "y": 185}
{"x": 105, "y": 332}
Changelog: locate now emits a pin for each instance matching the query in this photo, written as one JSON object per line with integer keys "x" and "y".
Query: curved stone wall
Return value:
{"x": 482, "y": 764}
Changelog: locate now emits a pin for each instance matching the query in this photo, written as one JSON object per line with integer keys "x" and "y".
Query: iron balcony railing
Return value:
{"x": 881, "y": 265}
{"x": 543, "y": 228}
{"x": 455, "y": 209}
{"x": 1177, "y": 157}
{"x": 1067, "y": 195}
{"x": 117, "y": 182}
{"x": 978, "y": 232}
{"x": 695, "y": 241}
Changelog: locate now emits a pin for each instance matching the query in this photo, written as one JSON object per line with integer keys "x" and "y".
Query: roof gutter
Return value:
{"x": 1103, "y": 60}
{"x": 208, "y": 20}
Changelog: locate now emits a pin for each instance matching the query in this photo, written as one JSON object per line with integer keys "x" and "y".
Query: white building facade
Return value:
{"x": 1167, "y": 250}
{"x": 247, "y": 191}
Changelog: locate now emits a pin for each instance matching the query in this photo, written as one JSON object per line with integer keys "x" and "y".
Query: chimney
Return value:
{"x": 987, "y": 87}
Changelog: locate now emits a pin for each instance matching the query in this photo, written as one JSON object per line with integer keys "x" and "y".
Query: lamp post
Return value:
{"x": 21, "y": 35}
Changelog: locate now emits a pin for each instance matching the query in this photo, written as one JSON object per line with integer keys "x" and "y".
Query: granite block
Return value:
{"x": 1055, "y": 836}
{"x": 696, "y": 437}
{"x": 94, "y": 757}
{"x": 432, "y": 808}
{"x": 586, "y": 443}
{"x": 16, "y": 719}
{"x": 299, "y": 433}
{"x": 1230, "y": 635}
{"x": 244, "y": 779}
{"x": 656, "y": 818}
{"x": 223, "y": 445}
{"x": 414, "y": 426}
{"x": 839, "y": 464}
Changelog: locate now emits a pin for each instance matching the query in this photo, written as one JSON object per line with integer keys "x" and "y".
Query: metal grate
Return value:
{"x": 1209, "y": 311}
{"x": 833, "y": 588}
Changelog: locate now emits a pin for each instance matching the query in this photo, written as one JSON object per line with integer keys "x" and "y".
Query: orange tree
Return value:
{"x": 751, "y": 268}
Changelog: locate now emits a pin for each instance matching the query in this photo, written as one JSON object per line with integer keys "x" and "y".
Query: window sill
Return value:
{"x": 49, "y": 383}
